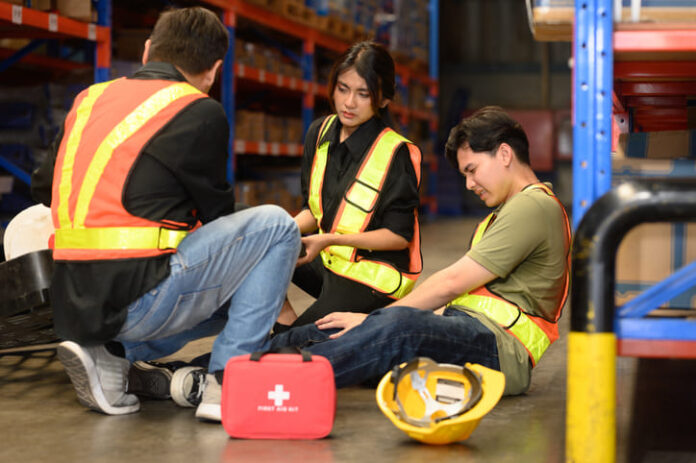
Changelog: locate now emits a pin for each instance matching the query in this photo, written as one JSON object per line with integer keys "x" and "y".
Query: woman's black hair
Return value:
{"x": 373, "y": 63}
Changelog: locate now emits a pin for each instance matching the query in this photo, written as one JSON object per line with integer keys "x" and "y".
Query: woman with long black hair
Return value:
{"x": 360, "y": 182}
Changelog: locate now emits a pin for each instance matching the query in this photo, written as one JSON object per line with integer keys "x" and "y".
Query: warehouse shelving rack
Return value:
{"x": 312, "y": 39}
{"x": 641, "y": 76}
{"x": 20, "y": 21}
{"x": 42, "y": 25}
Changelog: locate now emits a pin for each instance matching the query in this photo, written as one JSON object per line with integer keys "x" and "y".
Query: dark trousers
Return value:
{"x": 391, "y": 336}
{"x": 334, "y": 293}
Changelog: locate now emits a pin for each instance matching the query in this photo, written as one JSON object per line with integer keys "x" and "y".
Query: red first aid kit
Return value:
{"x": 278, "y": 396}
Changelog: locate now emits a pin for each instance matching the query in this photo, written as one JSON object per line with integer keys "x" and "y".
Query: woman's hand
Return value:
{"x": 313, "y": 245}
{"x": 344, "y": 320}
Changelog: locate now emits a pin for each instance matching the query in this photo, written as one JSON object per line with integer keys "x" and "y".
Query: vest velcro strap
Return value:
{"x": 512, "y": 318}
{"x": 119, "y": 238}
{"x": 377, "y": 275}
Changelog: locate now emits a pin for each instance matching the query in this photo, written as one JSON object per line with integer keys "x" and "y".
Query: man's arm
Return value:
{"x": 439, "y": 289}
{"x": 445, "y": 285}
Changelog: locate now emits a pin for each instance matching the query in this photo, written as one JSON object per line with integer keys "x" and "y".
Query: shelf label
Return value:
{"x": 17, "y": 14}
{"x": 53, "y": 22}
{"x": 240, "y": 70}
{"x": 263, "y": 148}
{"x": 239, "y": 146}
{"x": 275, "y": 149}
{"x": 293, "y": 83}
{"x": 279, "y": 80}
{"x": 262, "y": 75}
{"x": 92, "y": 32}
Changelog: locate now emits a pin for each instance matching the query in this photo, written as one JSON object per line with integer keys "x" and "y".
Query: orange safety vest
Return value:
{"x": 533, "y": 331}
{"x": 356, "y": 210}
{"x": 105, "y": 131}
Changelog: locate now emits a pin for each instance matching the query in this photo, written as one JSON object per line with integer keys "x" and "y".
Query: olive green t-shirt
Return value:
{"x": 525, "y": 246}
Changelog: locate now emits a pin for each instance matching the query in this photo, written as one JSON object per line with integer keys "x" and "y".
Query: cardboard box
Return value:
{"x": 625, "y": 169}
{"x": 43, "y": 5}
{"x": 77, "y": 9}
{"x": 293, "y": 130}
{"x": 275, "y": 129}
{"x": 669, "y": 144}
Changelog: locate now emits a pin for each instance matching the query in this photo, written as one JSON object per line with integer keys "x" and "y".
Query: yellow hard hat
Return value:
{"x": 438, "y": 403}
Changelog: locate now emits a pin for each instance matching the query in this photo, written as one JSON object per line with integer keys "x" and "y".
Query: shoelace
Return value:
{"x": 197, "y": 387}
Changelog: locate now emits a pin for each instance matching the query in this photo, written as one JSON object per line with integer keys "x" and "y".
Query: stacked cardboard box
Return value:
{"x": 259, "y": 126}
{"x": 265, "y": 58}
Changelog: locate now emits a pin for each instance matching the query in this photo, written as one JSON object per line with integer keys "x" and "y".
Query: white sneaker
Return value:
{"x": 186, "y": 387}
{"x": 100, "y": 378}
{"x": 209, "y": 408}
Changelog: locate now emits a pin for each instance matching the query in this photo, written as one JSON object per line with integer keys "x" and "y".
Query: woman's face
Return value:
{"x": 352, "y": 100}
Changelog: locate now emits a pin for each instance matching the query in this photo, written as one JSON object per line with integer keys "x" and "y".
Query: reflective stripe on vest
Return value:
{"x": 87, "y": 195}
{"x": 535, "y": 333}
{"x": 356, "y": 210}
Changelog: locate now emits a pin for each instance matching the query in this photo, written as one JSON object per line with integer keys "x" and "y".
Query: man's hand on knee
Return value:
{"x": 345, "y": 321}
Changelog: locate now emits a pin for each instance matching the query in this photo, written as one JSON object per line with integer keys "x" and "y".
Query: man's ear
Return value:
{"x": 146, "y": 51}
{"x": 384, "y": 103}
{"x": 506, "y": 154}
{"x": 211, "y": 74}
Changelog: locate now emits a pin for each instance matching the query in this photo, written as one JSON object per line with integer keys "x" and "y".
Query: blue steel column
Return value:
{"x": 227, "y": 89}
{"x": 591, "y": 388}
{"x": 434, "y": 43}
{"x": 593, "y": 74}
{"x": 308, "y": 76}
{"x": 102, "y": 74}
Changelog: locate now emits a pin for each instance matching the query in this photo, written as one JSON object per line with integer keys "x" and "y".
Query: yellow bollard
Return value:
{"x": 591, "y": 398}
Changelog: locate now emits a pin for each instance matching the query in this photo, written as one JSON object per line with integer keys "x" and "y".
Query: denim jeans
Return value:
{"x": 394, "y": 335}
{"x": 229, "y": 276}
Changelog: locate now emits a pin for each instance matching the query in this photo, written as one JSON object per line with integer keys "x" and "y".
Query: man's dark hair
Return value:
{"x": 373, "y": 63}
{"x": 484, "y": 131}
{"x": 192, "y": 39}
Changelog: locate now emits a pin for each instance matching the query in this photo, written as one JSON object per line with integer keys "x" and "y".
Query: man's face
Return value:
{"x": 352, "y": 100}
{"x": 485, "y": 174}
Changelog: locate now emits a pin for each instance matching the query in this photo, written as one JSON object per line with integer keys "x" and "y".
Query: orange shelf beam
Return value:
{"x": 242, "y": 71}
{"x": 53, "y": 23}
{"x": 655, "y": 40}
{"x": 242, "y": 147}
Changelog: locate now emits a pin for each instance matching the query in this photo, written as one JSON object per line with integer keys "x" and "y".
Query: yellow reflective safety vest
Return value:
{"x": 356, "y": 210}
{"x": 534, "y": 332}
{"x": 104, "y": 134}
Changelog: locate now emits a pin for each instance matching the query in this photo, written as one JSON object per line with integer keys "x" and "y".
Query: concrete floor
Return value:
{"x": 41, "y": 420}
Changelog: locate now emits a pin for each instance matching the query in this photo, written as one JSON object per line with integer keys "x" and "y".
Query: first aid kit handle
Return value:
{"x": 306, "y": 356}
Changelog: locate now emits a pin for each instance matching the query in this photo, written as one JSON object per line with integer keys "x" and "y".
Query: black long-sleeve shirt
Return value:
{"x": 399, "y": 196}
{"x": 179, "y": 176}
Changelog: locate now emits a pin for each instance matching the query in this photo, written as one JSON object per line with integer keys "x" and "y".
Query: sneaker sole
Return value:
{"x": 176, "y": 387}
{"x": 209, "y": 412}
{"x": 149, "y": 381}
{"x": 82, "y": 373}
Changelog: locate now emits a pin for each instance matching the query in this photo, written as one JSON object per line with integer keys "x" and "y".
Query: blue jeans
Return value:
{"x": 229, "y": 276}
{"x": 394, "y": 335}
